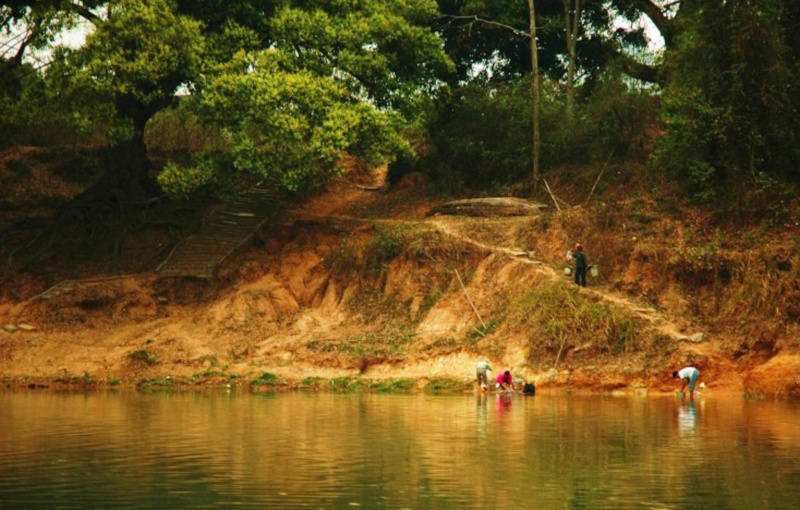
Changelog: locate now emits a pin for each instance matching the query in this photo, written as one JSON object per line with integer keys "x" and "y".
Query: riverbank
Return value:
{"x": 363, "y": 288}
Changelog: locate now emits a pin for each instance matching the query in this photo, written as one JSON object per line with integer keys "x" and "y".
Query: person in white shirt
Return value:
{"x": 481, "y": 369}
{"x": 688, "y": 376}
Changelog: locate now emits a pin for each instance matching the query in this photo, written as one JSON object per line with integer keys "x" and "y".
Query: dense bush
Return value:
{"x": 733, "y": 85}
{"x": 480, "y": 134}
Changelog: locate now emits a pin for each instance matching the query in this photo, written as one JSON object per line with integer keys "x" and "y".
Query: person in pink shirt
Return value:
{"x": 505, "y": 381}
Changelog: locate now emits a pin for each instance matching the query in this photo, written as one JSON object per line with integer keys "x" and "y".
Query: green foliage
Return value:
{"x": 465, "y": 150}
{"x": 176, "y": 132}
{"x": 734, "y": 77}
{"x": 267, "y": 379}
{"x": 154, "y": 383}
{"x": 289, "y": 128}
{"x": 310, "y": 382}
{"x": 25, "y": 117}
{"x": 382, "y": 50}
{"x": 131, "y": 64}
{"x": 332, "y": 81}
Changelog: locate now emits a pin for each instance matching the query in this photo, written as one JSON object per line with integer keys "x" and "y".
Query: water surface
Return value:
{"x": 331, "y": 451}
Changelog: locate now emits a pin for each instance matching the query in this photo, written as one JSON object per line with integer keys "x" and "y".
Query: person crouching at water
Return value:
{"x": 688, "y": 376}
{"x": 481, "y": 369}
{"x": 505, "y": 382}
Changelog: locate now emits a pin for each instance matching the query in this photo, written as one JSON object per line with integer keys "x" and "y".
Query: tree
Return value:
{"x": 733, "y": 79}
{"x": 536, "y": 94}
{"x": 337, "y": 78}
{"x": 289, "y": 128}
{"x": 131, "y": 66}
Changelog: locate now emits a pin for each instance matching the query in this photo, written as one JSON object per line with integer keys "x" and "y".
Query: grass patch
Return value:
{"x": 393, "y": 386}
{"x": 310, "y": 382}
{"x": 143, "y": 357}
{"x": 154, "y": 383}
{"x": 208, "y": 359}
{"x": 562, "y": 315}
{"x": 372, "y": 347}
{"x": 447, "y": 385}
{"x": 349, "y": 384}
{"x": 485, "y": 329}
{"x": 267, "y": 379}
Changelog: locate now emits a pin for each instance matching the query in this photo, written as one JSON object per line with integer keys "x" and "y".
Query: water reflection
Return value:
{"x": 687, "y": 417}
{"x": 376, "y": 451}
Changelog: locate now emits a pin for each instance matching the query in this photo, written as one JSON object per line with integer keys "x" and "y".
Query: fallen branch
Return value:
{"x": 558, "y": 357}
{"x": 483, "y": 324}
{"x": 555, "y": 200}
{"x": 599, "y": 176}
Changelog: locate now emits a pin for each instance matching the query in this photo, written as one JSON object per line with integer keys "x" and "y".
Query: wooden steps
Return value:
{"x": 230, "y": 228}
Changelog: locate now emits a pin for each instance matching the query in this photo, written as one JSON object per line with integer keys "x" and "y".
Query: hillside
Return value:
{"x": 362, "y": 287}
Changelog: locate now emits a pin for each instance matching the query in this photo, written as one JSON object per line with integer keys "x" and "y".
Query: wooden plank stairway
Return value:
{"x": 230, "y": 228}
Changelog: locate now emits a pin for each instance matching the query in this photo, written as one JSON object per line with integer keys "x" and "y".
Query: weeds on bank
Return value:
{"x": 562, "y": 315}
{"x": 373, "y": 257}
{"x": 155, "y": 384}
{"x": 143, "y": 357}
{"x": 65, "y": 378}
{"x": 310, "y": 382}
{"x": 393, "y": 386}
{"x": 367, "y": 348}
{"x": 447, "y": 385}
{"x": 356, "y": 384}
{"x": 266, "y": 379}
{"x": 347, "y": 384}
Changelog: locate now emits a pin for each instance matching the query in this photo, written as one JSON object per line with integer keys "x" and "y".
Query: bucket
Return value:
{"x": 567, "y": 271}
{"x": 594, "y": 271}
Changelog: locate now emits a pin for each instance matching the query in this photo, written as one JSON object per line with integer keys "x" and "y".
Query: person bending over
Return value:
{"x": 688, "y": 377}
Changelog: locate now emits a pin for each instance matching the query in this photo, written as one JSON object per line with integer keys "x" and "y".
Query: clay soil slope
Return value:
{"x": 360, "y": 288}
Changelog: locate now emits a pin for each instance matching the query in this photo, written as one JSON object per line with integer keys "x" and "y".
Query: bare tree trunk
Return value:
{"x": 572, "y": 16}
{"x": 536, "y": 95}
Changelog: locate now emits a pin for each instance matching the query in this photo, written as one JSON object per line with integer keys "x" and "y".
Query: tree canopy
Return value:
{"x": 290, "y": 86}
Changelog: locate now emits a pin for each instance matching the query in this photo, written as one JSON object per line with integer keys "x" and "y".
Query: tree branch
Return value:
{"x": 82, "y": 11}
{"x": 478, "y": 19}
{"x": 658, "y": 17}
{"x": 644, "y": 72}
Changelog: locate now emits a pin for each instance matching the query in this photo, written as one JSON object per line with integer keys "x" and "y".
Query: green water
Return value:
{"x": 286, "y": 451}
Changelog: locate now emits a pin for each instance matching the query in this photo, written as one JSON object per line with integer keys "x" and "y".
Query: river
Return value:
{"x": 129, "y": 450}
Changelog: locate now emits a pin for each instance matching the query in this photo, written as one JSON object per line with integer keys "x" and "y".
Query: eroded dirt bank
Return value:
{"x": 361, "y": 289}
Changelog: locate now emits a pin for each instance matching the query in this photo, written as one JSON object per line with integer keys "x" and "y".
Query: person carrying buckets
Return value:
{"x": 581, "y": 265}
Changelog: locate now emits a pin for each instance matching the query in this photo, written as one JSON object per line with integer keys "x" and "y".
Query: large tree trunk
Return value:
{"x": 572, "y": 16}
{"x": 536, "y": 95}
{"x": 127, "y": 169}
